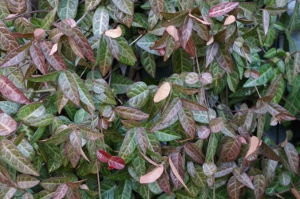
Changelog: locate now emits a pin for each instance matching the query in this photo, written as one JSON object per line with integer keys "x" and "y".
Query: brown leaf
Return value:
{"x": 222, "y": 9}
{"x": 188, "y": 104}
{"x": 224, "y": 60}
{"x": 10, "y": 91}
{"x": 17, "y": 6}
{"x": 141, "y": 138}
{"x": 194, "y": 152}
{"x": 75, "y": 48}
{"x": 153, "y": 175}
{"x": 187, "y": 122}
{"x": 15, "y": 56}
{"x": 61, "y": 191}
{"x": 130, "y": 113}
{"x": 72, "y": 155}
{"x": 71, "y": 22}
{"x": 293, "y": 157}
{"x": 260, "y": 185}
{"x": 38, "y": 58}
{"x": 173, "y": 32}
{"x": 233, "y": 188}
{"x": 7, "y": 42}
{"x": 211, "y": 52}
{"x": 295, "y": 193}
{"x": 176, "y": 172}
{"x": 186, "y": 31}
{"x": 216, "y": 125}
{"x": 54, "y": 60}
{"x": 164, "y": 183}
{"x": 268, "y": 152}
{"x": 242, "y": 178}
{"x": 114, "y": 33}
{"x": 230, "y": 150}
{"x": 162, "y": 92}
{"x": 210, "y": 40}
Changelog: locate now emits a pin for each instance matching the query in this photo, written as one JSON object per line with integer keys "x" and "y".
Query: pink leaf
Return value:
{"x": 222, "y": 9}
{"x": 116, "y": 163}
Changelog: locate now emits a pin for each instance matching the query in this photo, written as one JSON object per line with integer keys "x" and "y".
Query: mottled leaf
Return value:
{"x": 293, "y": 157}
{"x": 125, "y": 6}
{"x": 104, "y": 57}
{"x": 7, "y": 124}
{"x": 243, "y": 178}
{"x": 17, "y": 6}
{"x": 148, "y": 62}
{"x": 222, "y": 9}
{"x": 233, "y": 188}
{"x": 15, "y": 56}
{"x": 8, "y": 42}
{"x": 69, "y": 87}
{"x": 260, "y": 185}
{"x": 67, "y": 9}
{"x": 187, "y": 122}
{"x": 153, "y": 175}
{"x": 26, "y": 181}
{"x": 224, "y": 60}
{"x": 162, "y": 92}
{"x": 130, "y": 113}
{"x": 100, "y": 20}
{"x": 54, "y": 60}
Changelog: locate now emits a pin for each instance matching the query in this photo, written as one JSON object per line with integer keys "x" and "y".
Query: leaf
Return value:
{"x": 61, "y": 191}
{"x": 229, "y": 20}
{"x": 38, "y": 58}
{"x": 100, "y": 20}
{"x": 177, "y": 173}
{"x": 153, "y": 175}
{"x": 125, "y": 6}
{"x": 197, "y": 174}
{"x": 15, "y": 56}
{"x": 4, "y": 12}
{"x": 7, "y": 192}
{"x": 49, "y": 19}
{"x": 146, "y": 42}
{"x": 222, "y": 9}
{"x": 163, "y": 182}
{"x": 54, "y": 60}
{"x": 254, "y": 144}
{"x": 130, "y": 113}
{"x": 120, "y": 83}
{"x": 157, "y": 6}
{"x": 22, "y": 25}
{"x": 10, "y": 108}
{"x": 114, "y": 33}
{"x": 194, "y": 152}
{"x": 148, "y": 62}
{"x": 126, "y": 53}
{"x": 26, "y": 181}
{"x": 116, "y": 163}
{"x": 41, "y": 121}
{"x": 224, "y": 60}
{"x": 17, "y": 7}
{"x": 141, "y": 139}
{"x": 76, "y": 142}
{"x": 265, "y": 20}
{"x": 186, "y": 31}
{"x": 233, "y": 188}
{"x": 191, "y": 105}
{"x": 209, "y": 169}
{"x": 233, "y": 80}
{"x": 69, "y": 87}
{"x": 12, "y": 156}
{"x": 129, "y": 145}
{"x": 266, "y": 72}
{"x": 67, "y": 9}
{"x": 7, "y": 124}
{"x": 260, "y": 185}
{"x": 293, "y": 157}
{"x": 166, "y": 135}
{"x": 230, "y": 150}
{"x": 181, "y": 61}
{"x": 113, "y": 47}
{"x": 216, "y": 125}
{"x": 31, "y": 110}
{"x": 84, "y": 94}
{"x": 104, "y": 57}
{"x": 163, "y": 92}
{"x": 51, "y": 184}
{"x": 204, "y": 116}
{"x": 187, "y": 122}
{"x": 8, "y": 42}
{"x": 211, "y": 52}
{"x": 268, "y": 152}
{"x": 124, "y": 18}
{"x": 10, "y": 91}
{"x": 242, "y": 178}
{"x": 89, "y": 134}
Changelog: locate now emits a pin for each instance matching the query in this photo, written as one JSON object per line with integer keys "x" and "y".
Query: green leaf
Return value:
{"x": 148, "y": 62}
{"x": 130, "y": 113}
{"x": 41, "y": 121}
{"x": 31, "y": 110}
{"x": 100, "y": 20}
{"x": 187, "y": 122}
{"x": 69, "y": 87}
{"x": 204, "y": 116}
{"x": 15, "y": 56}
{"x": 124, "y": 190}
{"x": 49, "y": 19}
{"x": 10, "y": 108}
{"x": 8, "y": 42}
{"x": 138, "y": 94}
{"x": 197, "y": 174}
{"x": 26, "y": 149}
{"x": 125, "y": 6}
{"x": 84, "y": 94}
{"x": 212, "y": 147}
{"x": 293, "y": 157}
{"x": 120, "y": 83}
{"x": 104, "y": 57}
{"x": 224, "y": 60}
{"x": 108, "y": 189}
{"x": 146, "y": 42}
{"x": 51, "y": 184}
{"x": 4, "y": 12}
{"x": 166, "y": 135}
{"x": 22, "y": 25}
{"x": 125, "y": 52}
{"x": 266, "y": 72}
{"x": 233, "y": 80}
{"x": 140, "y": 21}
{"x": 128, "y": 146}
{"x": 106, "y": 97}
{"x": 26, "y": 181}
{"x": 67, "y": 9}
{"x": 7, "y": 192}
{"x": 12, "y": 156}
{"x": 182, "y": 61}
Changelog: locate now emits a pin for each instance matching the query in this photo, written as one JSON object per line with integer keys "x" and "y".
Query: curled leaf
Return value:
{"x": 114, "y": 33}
{"x": 163, "y": 92}
{"x": 153, "y": 175}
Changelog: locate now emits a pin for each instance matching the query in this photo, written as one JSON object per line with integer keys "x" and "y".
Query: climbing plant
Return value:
{"x": 148, "y": 99}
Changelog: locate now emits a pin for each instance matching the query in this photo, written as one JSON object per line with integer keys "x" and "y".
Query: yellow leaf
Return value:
{"x": 114, "y": 33}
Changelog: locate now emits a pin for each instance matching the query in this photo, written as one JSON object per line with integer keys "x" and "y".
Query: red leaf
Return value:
{"x": 103, "y": 156}
{"x": 176, "y": 158}
{"x": 222, "y": 9}
{"x": 130, "y": 113}
{"x": 186, "y": 31}
{"x": 164, "y": 183}
{"x": 15, "y": 56}
{"x": 9, "y": 90}
{"x": 116, "y": 163}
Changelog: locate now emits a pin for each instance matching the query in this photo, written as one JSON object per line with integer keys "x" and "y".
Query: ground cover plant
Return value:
{"x": 148, "y": 99}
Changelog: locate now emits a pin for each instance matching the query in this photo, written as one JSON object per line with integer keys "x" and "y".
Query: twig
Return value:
{"x": 136, "y": 39}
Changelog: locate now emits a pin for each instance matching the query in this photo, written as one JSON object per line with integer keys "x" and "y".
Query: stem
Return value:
{"x": 136, "y": 39}
{"x": 24, "y": 14}
{"x": 16, "y": 69}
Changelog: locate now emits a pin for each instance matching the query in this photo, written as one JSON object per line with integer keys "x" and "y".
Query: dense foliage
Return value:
{"x": 148, "y": 99}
